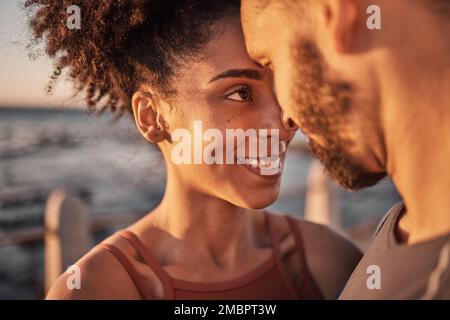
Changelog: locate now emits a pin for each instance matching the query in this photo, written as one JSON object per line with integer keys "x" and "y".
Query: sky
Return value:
{"x": 22, "y": 80}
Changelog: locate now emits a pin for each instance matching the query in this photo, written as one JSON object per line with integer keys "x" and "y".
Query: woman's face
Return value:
{"x": 224, "y": 90}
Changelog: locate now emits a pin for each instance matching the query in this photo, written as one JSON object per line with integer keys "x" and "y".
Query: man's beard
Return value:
{"x": 322, "y": 107}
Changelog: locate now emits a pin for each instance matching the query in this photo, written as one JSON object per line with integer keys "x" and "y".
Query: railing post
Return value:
{"x": 321, "y": 198}
{"x": 67, "y": 235}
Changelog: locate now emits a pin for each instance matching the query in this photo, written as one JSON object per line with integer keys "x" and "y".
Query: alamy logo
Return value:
{"x": 260, "y": 149}
{"x": 74, "y": 280}
{"x": 374, "y": 280}
{"x": 74, "y": 20}
{"x": 374, "y": 20}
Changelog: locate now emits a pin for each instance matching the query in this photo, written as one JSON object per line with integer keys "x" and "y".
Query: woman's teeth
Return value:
{"x": 283, "y": 146}
{"x": 251, "y": 162}
{"x": 267, "y": 166}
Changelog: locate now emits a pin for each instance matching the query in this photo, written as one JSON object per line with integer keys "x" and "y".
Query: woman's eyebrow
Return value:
{"x": 238, "y": 73}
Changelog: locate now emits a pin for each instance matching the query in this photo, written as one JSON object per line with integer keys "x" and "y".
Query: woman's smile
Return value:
{"x": 267, "y": 168}
{"x": 270, "y": 166}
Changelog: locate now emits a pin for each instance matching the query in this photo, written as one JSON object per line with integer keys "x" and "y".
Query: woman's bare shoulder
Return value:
{"x": 97, "y": 275}
{"x": 325, "y": 237}
{"x": 320, "y": 233}
{"x": 331, "y": 256}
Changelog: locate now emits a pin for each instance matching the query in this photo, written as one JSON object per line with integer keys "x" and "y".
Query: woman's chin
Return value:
{"x": 258, "y": 200}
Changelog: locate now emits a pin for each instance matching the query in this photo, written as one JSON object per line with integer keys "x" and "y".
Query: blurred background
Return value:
{"x": 49, "y": 142}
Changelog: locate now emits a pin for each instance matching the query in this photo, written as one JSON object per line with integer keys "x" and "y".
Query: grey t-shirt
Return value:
{"x": 390, "y": 270}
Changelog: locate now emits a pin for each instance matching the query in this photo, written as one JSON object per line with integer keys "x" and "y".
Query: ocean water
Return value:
{"x": 112, "y": 168}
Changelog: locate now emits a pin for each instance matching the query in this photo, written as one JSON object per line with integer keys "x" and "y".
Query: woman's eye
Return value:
{"x": 242, "y": 94}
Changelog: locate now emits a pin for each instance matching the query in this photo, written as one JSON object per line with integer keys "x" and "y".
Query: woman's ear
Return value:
{"x": 147, "y": 118}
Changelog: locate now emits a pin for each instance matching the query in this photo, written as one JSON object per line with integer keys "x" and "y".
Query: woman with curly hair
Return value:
{"x": 168, "y": 64}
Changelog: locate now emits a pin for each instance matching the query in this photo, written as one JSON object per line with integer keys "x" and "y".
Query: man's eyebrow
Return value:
{"x": 238, "y": 73}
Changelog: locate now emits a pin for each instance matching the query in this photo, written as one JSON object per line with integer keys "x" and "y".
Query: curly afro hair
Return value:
{"x": 123, "y": 44}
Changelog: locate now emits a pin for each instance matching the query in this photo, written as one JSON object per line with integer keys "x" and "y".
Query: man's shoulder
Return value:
{"x": 438, "y": 285}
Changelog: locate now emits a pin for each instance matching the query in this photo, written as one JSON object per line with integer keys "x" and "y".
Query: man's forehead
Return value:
{"x": 251, "y": 11}
{"x": 252, "y": 8}
{"x": 256, "y": 4}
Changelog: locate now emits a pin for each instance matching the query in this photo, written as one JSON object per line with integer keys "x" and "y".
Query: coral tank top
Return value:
{"x": 268, "y": 281}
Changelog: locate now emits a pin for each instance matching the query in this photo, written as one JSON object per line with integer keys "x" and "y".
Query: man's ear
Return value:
{"x": 342, "y": 19}
{"x": 147, "y": 118}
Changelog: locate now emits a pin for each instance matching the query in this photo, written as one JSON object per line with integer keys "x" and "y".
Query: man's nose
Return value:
{"x": 288, "y": 123}
{"x": 277, "y": 119}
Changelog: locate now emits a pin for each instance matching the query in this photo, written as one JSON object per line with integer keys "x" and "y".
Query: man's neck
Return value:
{"x": 420, "y": 168}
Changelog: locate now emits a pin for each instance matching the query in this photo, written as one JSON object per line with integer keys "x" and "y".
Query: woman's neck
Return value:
{"x": 211, "y": 226}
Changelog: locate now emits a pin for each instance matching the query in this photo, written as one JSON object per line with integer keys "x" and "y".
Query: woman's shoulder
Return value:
{"x": 97, "y": 275}
{"x": 308, "y": 230}
{"x": 330, "y": 255}
{"x": 327, "y": 241}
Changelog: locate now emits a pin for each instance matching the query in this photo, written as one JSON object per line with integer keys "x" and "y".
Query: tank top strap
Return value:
{"x": 273, "y": 237}
{"x": 151, "y": 261}
{"x": 309, "y": 287}
{"x": 298, "y": 240}
{"x": 135, "y": 276}
{"x": 277, "y": 255}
